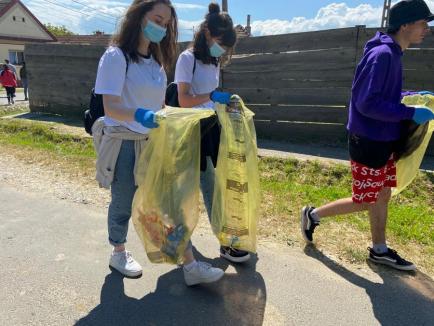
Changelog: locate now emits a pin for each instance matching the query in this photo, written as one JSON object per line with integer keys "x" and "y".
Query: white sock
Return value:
{"x": 188, "y": 267}
{"x": 314, "y": 215}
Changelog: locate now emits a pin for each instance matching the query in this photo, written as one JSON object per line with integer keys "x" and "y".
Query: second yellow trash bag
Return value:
{"x": 236, "y": 191}
{"x": 408, "y": 167}
{"x": 166, "y": 204}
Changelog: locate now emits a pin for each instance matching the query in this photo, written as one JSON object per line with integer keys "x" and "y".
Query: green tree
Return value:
{"x": 58, "y": 30}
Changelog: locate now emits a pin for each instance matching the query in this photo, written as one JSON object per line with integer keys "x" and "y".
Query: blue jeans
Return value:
{"x": 25, "y": 83}
{"x": 123, "y": 189}
{"x": 207, "y": 180}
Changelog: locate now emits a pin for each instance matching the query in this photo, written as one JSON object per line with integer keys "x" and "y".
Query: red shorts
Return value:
{"x": 368, "y": 182}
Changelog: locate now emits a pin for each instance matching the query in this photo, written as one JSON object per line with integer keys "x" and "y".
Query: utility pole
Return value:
{"x": 225, "y": 6}
{"x": 386, "y": 10}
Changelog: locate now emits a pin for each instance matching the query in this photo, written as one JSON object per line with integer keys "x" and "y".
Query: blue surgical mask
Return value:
{"x": 216, "y": 50}
{"x": 153, "y": 32}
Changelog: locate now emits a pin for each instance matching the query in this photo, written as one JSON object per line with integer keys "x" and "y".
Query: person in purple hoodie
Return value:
{"x": 375, "y": 123}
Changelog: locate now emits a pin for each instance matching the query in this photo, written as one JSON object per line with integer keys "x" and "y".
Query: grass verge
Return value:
{"x": 286, "y": 186}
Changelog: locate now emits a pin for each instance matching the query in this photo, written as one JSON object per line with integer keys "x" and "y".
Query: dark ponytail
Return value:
{"x": 219, "y": 25}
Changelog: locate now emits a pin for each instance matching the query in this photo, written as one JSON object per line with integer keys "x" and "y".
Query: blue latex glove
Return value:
{"x": 425, "y": 93}
{"x": 146, "y": 118}
{"x": 422, "y": 115}
{"x": 220, "y": 97}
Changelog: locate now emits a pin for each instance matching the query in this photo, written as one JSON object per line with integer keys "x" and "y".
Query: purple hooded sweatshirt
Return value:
{"x": 376, "y": 111}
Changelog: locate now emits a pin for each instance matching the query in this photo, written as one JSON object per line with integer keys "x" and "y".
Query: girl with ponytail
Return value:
{"x": 197, "y": 76}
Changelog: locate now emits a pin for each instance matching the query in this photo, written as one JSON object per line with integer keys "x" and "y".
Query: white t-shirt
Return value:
{"x": 205, "y": 78}
{"x": 144, "y": 86}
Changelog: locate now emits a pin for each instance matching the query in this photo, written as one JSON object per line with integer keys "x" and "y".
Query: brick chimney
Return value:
{"x": 249, "y": 27}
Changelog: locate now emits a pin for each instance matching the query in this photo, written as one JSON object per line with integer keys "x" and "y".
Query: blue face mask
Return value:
{"x": 153, "y": 32}
{"x": 216, "y": 50}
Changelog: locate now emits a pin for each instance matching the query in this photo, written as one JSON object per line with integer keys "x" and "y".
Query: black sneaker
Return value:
{"x": 392, "y": 259}
{"x": 234, "y": 255}
{"x": 307, "y": 224}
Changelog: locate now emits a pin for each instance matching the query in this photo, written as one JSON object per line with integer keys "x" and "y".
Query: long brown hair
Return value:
{"x": 219, "y": 25}
{"x": 128, "y": 38}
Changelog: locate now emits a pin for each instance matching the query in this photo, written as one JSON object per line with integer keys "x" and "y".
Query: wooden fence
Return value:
{"x": 297, "y": 84}
{"x": 61, "y": 76}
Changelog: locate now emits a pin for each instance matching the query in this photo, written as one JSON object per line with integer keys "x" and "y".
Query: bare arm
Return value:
{"x": 186, "y": 100}
{"x": 114, "y": 108}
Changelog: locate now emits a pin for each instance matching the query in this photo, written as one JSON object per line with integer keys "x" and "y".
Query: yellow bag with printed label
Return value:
{"x": 166, "y": 204}
{"x": 236, "y": 191}
{"x": 407, "y": 167}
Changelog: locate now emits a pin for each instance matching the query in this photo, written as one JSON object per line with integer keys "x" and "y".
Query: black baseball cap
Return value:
{"x": 409, "y": 11}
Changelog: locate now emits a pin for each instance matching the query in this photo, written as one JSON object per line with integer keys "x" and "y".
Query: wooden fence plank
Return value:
{"x": 64, "y": 63}
{"x": 303, "y": 96}
{"x": 302, "y": 132}
{"x": 418, "y": 80}
{"x": 64, "y": 50}
{"x": 288, "y": 78}
{"x": 422, "y": 59}
{"x": 325, "y": 57}
{"x": 53, "y": 99}
{"x": 286, "y": 66}
{"x": 298, "y": 113}
{"x": 344, "y": 37}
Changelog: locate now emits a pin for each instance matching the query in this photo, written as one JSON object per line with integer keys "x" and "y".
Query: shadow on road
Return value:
{"x": 237, "y": 299}
{"x": 402, "y": 299}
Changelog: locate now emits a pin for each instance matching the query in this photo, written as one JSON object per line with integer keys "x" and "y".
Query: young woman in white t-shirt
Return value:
{"x": 197, "y": 75}
{"x": 132, "y": 91}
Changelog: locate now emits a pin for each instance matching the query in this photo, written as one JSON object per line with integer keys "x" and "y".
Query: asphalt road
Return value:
{"x": 55, "y": 272}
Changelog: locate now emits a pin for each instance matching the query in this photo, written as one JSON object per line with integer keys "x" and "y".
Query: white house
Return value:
{"x": 18, "y": 26}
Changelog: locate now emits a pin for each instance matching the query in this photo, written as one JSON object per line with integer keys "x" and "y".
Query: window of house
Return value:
{"x": 14, "y": 18}
{"x": 24, "y": 20}
{"x": 16, "y": 57}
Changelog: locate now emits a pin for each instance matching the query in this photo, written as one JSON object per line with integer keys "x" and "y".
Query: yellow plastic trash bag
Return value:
{"x": 166, "y": 204}
{"x": 236, "y": 191}
{"x": 408, "y": 167}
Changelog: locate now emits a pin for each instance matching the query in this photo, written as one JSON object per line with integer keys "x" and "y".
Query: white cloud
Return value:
{"x": 186, "y": 28}
{"x": 188, "y": 6}
{"x": 94, "y": 14}
{"x": 188, "y": 24}
{"x": 334, "y": 15}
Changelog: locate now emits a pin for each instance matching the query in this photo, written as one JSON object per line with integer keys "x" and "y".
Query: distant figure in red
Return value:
{"x": 9, "y": 82}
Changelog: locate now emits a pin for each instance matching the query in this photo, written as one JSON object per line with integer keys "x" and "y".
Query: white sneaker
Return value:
{"x": 125, "y": 264}
{"x": 202, "y": 273}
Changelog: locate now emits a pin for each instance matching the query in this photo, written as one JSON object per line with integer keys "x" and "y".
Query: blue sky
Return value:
{"x": 268, "y": 16}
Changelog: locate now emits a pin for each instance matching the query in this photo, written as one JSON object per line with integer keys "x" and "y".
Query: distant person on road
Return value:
{"x": 9, "y": 82}
{"x": 376, "y": 118}
{"x": 132, "y": 91}
{"x": 11, "y": 67}
{"x": 24, "y": 81}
